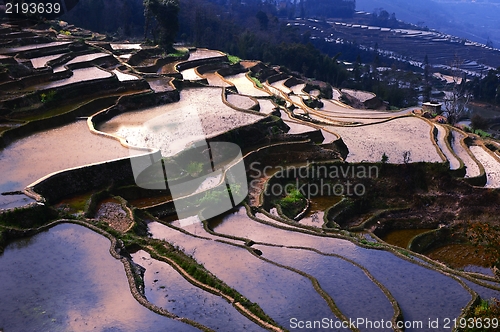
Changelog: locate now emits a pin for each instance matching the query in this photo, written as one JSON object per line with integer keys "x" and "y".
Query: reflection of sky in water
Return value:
{"x": 166, "y": 288}
{"x": 65, "y": 279}
{"x": 282, "y": 294}
{"x": 421, "y": 293}
{"x": 172, "y": 127}
{"x": 348, "y": 285}
{"x": 28, "y": 159}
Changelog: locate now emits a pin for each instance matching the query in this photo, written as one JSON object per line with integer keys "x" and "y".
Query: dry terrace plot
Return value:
{"x": 200, "y": 113}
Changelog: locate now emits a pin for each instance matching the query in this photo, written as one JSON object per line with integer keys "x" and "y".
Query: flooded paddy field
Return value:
{"x": 86, "y": 58}
{"x": 420, "y": 292}
{"x": 240, "y": 101}
{"x": 245, "y": 86}
{"x": 50, "y": 151}
{"x": 79, "y": 75}
{"x": 491, "y": 166}
{"x": 123, "y": 76}
{"x": 215, "y": 79}
{"x": 251, "y": 257}
{"x": 441, "y": 137}
{"x": 348, "y": 285}
{"x": 297, "y": 89}
{"x": 40, "y": 62}
{"x": 281, "y": 293}
{"x": 79, "y": 286}
{"x": 279, "y": 85}
{"x": 472, "y": 167}
{"x": 204, "y": 106}
{"x": 362, "y": 96}
{"x": 190, "y": 74}
{"x": 316, "y": 212}
{"x": 166, "y": 288}
{"x": 369, "y": 143}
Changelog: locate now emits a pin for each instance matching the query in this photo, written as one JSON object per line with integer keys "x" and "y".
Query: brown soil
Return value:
{"x": 431, "y": 198}
{"x": 111, "y": 212}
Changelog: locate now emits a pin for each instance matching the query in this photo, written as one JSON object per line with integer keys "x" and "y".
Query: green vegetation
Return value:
{"x": 194, "y": 168}
{"x": 313, "y": 103}
{"x": 256, "y": 81}
{"x": 479, "y": 132}
{"x": 482, "y": 314}
{"x": 482, "y": 133}
{"x": 278, "y": 100}
{"x": 28, "y": 217}
{"x": 178, "y": 52}
{"x": 293, "y": 203}
{"x": 233, "y": 59}
{"x": 48, "y": 97}
{"x": 370, "y": 243}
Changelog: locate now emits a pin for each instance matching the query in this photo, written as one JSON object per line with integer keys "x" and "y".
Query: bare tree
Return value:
{"x": 458, "y": 97}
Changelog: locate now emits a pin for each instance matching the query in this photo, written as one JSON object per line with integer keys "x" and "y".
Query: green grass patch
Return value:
{"x": 233, "y": 59}
{"x": 482, "y": 317}
{"x": 257, "y": 82}
{"x": 293, "y": 203}
{"x": 178, "y": 52}
{"x": 482, "y": 133}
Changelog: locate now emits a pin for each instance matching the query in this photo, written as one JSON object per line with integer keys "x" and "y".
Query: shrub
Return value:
{"x": 257, "y": 82}
{"x": 194, "y": 168}
{"x": 47, "y": 97}
{"x": 233, "y": 59}
{"x": 482, "y": 133}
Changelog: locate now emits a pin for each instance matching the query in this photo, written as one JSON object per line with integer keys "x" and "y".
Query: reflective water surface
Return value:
{"x": 64, "y": 280}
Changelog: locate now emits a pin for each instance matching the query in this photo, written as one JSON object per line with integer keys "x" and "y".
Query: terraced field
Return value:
{"x": 274, "y": 253}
